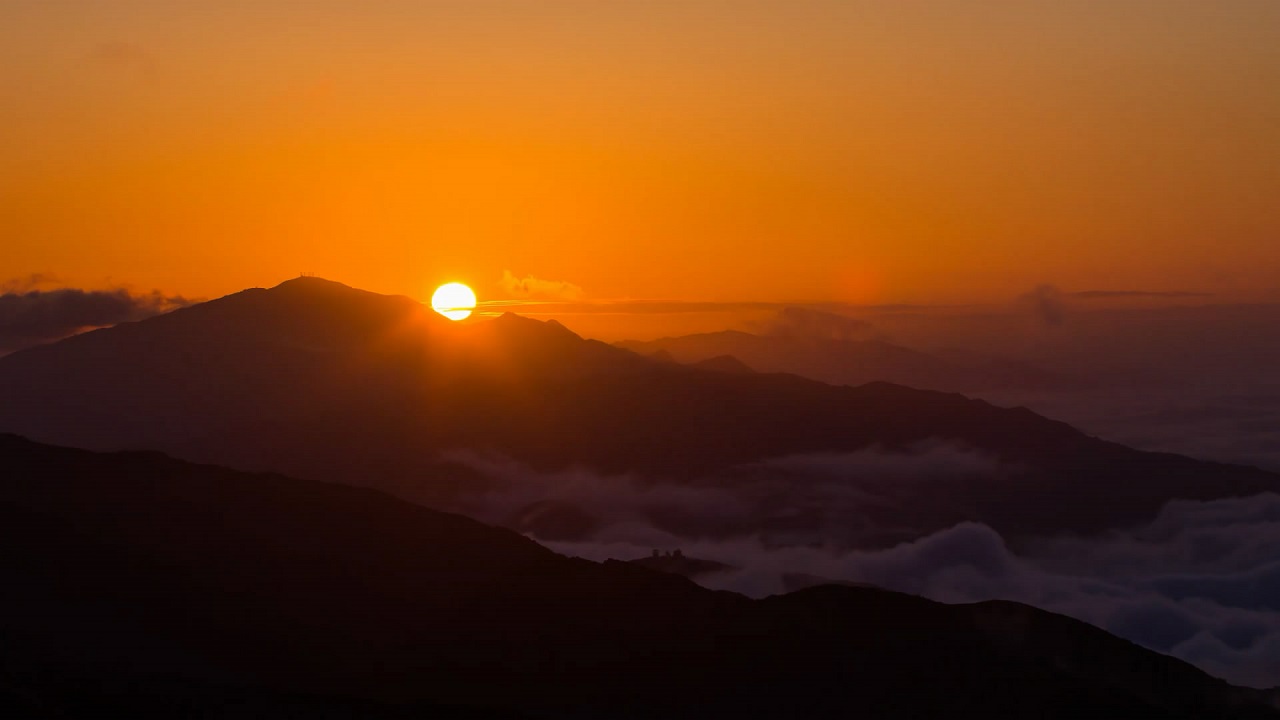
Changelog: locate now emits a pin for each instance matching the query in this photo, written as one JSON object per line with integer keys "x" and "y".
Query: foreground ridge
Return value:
{"x": 132, "y": 576}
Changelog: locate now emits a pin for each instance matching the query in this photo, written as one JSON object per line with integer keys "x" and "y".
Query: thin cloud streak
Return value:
{"x": 1137, "y": 294}
{"x": 1045, "y": 301}
{"x": 675, "y": 307}
{"x": 532, "y": 288}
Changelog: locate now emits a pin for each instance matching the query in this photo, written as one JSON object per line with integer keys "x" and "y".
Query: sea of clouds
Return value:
{"x": 1201, "y": 581}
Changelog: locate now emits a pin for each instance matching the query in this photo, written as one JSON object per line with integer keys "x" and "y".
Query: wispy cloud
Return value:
{"x": 27, "y": 283}
{"x": 532, "y": 288}
{"x": 1046, "y": 303}
{"x": 678, "y": 307}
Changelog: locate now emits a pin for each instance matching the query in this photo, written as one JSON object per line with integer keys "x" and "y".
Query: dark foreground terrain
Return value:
{"x": 136, "y": 585}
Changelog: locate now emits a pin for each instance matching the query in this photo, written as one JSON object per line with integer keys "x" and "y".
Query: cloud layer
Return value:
{"x": 30, "y": 317}
{"x": 868, "y": 498}
{"x": 1200, "y": 582}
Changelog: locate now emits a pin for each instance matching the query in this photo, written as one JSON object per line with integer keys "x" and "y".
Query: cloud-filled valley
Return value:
{"x": 1201, "y": 581}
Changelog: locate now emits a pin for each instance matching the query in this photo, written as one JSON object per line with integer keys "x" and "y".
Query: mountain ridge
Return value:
{"x": 833, "y": 355}
{"x": 316, "y": 379}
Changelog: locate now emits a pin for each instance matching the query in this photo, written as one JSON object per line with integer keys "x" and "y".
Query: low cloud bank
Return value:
{"x": 31, "y": 316}
{"x": 869, "y": 498}
{"x": 1200, "y": 582}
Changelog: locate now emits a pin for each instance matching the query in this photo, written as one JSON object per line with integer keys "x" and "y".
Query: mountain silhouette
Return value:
{"x": 318, "y": 380}
{"x": 723, "y": 363}
{"x": 845, "y": 360}
{"x": 134, "y": 583}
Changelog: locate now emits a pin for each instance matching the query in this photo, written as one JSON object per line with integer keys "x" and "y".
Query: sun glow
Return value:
{"x": 454, "y": 301}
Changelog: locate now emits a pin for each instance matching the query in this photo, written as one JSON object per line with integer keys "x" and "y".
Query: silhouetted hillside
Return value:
{"x": 319, "y": 380}
{"x": 133, "y": 581}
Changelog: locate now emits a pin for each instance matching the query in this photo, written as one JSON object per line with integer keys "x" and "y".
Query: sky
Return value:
{"x": 694, "y": 151}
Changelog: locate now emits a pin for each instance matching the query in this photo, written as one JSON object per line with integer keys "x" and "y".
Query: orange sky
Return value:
{"x": 721, "y": 151}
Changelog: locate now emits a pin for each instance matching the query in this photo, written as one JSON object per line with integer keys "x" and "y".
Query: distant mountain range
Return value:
{"x": 136, "y": 585}
{"x": 820, "y": 346}
{"x": 318, "y": 380}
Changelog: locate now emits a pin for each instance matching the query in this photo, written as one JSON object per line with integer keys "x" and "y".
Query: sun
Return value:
{"x": 454, "y": 301}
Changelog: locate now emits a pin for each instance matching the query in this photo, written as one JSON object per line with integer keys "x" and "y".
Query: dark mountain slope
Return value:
{"x": 316, "y": 379}
{"x": 134, "y": 580}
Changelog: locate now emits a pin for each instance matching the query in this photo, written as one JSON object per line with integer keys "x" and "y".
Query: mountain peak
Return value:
{"x": 311, "y": 282}
{"x": 723, "y": 363}
{"x": 309, "y": 286}
{"x": 519, "y": 323}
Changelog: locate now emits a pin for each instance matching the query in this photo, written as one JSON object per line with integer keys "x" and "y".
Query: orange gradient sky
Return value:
{"x": 736, "y": 151}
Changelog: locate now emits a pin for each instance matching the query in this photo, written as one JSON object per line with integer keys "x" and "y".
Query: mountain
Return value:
{"x": 843, "y": 360}
{"x": 136, "y": 584}
{"x": 723, "y": 363}
{"x": 318, "y": 380}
